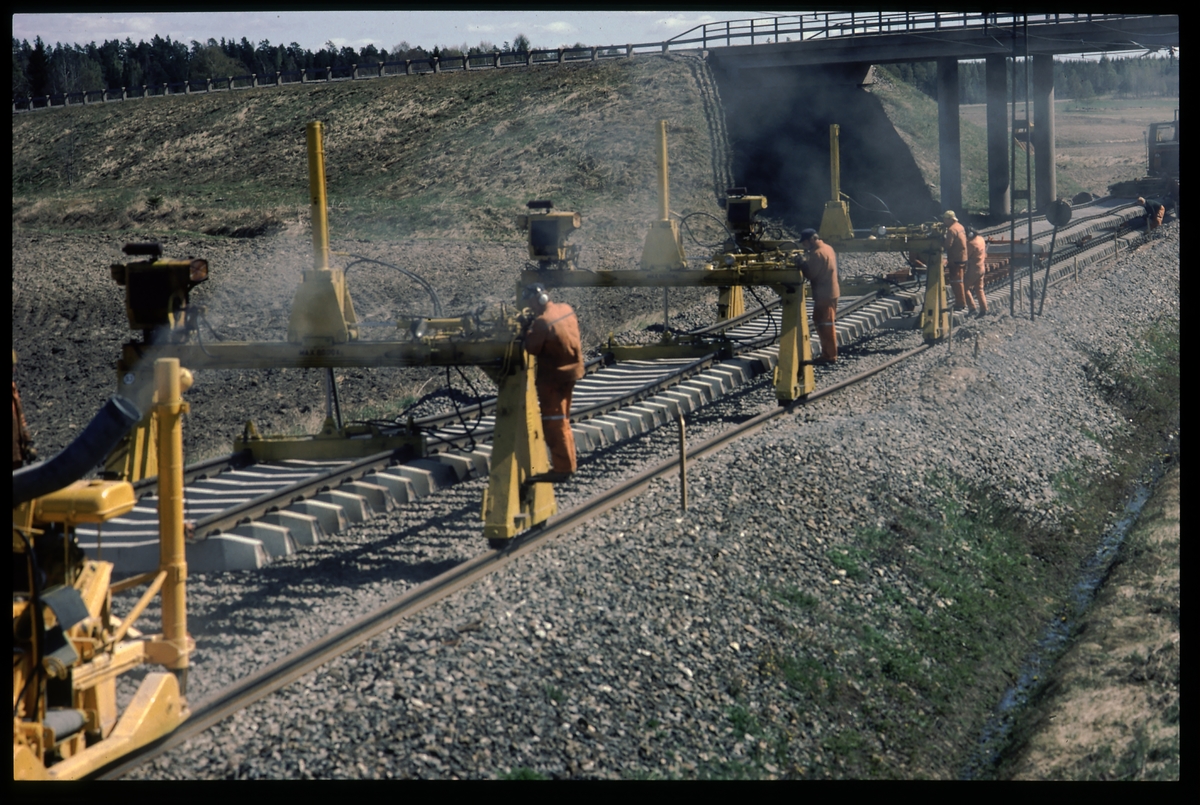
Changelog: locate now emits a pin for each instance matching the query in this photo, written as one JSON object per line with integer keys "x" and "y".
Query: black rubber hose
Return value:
{"x": 89, "y": 448}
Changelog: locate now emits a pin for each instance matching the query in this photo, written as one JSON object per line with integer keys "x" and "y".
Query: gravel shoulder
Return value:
{"x": 849, "y": 594}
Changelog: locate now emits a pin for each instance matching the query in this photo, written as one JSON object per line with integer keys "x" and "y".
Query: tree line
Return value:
{"x": 39, "y": 69}
{"x": 1131, "y": 77}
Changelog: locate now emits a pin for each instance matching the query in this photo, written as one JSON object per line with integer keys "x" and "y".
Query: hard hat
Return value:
{"x": 808, "y": 233}
{"x": 949, "y": 214}
{"x": 536, "y": 292}
{"x": 1141, "y": 200}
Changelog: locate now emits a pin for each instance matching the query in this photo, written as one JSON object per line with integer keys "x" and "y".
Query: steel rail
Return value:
{"x": 283, "y": 672}
{"x": 1081, "y": 254}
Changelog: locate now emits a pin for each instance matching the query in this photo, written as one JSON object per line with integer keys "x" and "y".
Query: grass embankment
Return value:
{"x": 452, "y": 155}
{"x": 904, "y": 695}
{"x": 1110, "y": 709}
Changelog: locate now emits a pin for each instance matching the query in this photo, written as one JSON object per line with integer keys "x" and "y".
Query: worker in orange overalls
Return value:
{"x": 23, "y": 452}
{"x": 1154, "y": 212}
{"x": 820, "y": 269}
{"x": 973, "y": 278}
{"x": 955, "y": 244}
{"x": 553, "y": 336}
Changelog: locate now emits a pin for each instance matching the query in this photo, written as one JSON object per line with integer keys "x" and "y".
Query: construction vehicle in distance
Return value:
{"x": 1162, "y": 158}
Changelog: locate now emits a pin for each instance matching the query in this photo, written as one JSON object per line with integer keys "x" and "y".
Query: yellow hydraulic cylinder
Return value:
{"x": 169, "y": 410}
{"x": 316, "y": 192}
{"x": 322, "y": 311}
{"x": 835, "y": 220}
{"x": 835, "y": 163}
{"x": 664, "y": 192}
{"x": 663, "y": 248}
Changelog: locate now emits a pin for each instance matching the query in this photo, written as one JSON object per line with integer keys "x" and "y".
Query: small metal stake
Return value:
{"x": 682, "y": 464}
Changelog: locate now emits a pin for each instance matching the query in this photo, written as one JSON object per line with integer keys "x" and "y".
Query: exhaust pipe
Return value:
{"x": 89, "y": 448}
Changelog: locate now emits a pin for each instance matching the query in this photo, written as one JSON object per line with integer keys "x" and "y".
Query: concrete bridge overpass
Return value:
{"x": 786, "y": 69}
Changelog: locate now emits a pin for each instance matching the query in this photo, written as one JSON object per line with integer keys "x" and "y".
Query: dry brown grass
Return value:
{"x": 1097, "y": 144}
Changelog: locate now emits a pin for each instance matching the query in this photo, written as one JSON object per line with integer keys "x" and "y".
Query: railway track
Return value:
{"x": 262, "y": 683}
{"x": 244, "y": 514}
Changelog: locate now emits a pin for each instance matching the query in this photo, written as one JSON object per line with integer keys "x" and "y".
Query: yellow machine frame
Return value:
{"x": 923, "y": 242}
{"x": 663, "y": 266}
{"x": 323, "y": 333}
{"x": 101, "y": 647}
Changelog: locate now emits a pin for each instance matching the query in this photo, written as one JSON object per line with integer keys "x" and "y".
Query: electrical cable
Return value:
{"x": 865, "y": 208}
{"x": 684, "y": 222}
{"x": 470, "y": 431}
{"x": 770, "y": 319}
{"x": 437, "y": 303}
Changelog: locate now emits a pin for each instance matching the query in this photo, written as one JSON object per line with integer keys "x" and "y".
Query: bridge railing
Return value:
{"x": 829, "y": 25}
{"x": 760, "y": 30}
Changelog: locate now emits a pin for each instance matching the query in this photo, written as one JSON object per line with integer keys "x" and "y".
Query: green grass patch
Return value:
{"x": 523, "y": 773}
{"x": 795, "y": 597}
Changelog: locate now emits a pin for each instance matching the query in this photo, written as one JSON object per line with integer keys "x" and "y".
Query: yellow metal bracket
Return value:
{"x": 511, "y": 504}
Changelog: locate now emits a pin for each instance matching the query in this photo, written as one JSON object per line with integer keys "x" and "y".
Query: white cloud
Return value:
{"x": 684, "y": 22}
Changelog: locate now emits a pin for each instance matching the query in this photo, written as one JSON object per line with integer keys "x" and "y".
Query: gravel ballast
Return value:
{"x": 755, "y": 635}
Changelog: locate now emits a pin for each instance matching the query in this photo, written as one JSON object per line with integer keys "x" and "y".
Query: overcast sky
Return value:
{"x": 384, "y": 29}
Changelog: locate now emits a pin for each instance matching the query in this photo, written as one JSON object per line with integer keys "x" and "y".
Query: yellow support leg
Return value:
{"x": 511, "y": 505}
{"x": 935, "y": 318}
{"x": 172, "y": 557}
{"x": 794, "y": 373}
{"x": 731, "y": 303}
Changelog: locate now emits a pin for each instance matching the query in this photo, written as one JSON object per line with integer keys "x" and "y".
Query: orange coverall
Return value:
{"x": 955, "y": 245}
{"x": 1154, "y": 214}
{"x": 976, "y": 252}
{"x": 821, "y": 270}
{"x": 554, "y": 338}
{"x": 22, "y": 443}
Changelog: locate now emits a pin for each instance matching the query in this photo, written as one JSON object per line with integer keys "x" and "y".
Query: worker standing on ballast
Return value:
{"x": 553, "y": 336}
{"x": 973, "y": 278}
{"x": 955, "y": 244}
{"x": 820, "y": 269}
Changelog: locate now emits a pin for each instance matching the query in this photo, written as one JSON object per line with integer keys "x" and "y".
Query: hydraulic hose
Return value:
{"x": 89, "y": 448}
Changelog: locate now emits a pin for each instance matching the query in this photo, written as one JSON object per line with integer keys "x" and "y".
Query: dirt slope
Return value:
{"x": 426, "y": 172}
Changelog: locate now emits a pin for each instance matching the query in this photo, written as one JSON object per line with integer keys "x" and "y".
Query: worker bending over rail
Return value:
{"x": 1155, "y": 210}
{"x": 820, "y": 269}
{"x": 553, "y": 336}
{"x": 955, "y": 245}
{"x": 973, "y": 278}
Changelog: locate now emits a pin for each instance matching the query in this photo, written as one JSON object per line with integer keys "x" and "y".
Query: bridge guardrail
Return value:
{"x": 806, "y": 27}
{"x": 825, "y": 25}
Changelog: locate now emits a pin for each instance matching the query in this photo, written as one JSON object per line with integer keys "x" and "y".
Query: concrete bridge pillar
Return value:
{"x": 949, "y": 150}
{"x": 1046, "y": 182}
{"x": 996, "y": 79}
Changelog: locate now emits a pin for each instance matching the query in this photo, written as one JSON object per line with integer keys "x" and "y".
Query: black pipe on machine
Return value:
{"x": 89, "y": 448}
